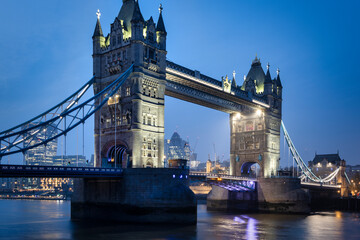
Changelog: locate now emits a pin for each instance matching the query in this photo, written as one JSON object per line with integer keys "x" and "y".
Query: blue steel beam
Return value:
{"x": 15, "y": 139}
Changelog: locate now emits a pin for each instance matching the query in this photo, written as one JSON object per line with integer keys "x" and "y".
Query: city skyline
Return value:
{"x": 49, "y": 62}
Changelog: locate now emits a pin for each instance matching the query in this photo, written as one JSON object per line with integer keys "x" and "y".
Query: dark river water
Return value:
{"x": 22, "y": 219}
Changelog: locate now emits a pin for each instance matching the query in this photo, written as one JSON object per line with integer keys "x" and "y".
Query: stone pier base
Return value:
{"x": 221, "y": 199}
{"x": 141, "y": 196}
{"x": 282, "y": 195}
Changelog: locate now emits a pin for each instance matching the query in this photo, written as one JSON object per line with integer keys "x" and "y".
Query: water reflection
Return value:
{"x": 51, "y": 220}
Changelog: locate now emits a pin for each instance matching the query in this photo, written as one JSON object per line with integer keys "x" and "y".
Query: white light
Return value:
{"x": 237, "y": 116}
{"x": 258, "y": 112}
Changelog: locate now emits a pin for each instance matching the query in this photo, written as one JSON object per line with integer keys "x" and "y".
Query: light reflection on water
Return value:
{"x": 21, "y": 219}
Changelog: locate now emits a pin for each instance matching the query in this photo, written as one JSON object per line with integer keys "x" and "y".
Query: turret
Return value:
{"x": 278, "y": 84}
{"x": 161, "y": 31}
{"x": 98, "y": 44}
{"x": 268, "y": 84}
{"x": 98, "y": 37}
{"x": 137, "y": 23}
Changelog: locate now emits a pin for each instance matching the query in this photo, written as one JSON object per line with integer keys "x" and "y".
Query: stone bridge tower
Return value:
{"x": 255, "y": 133}
{"x": 129, "y": 129}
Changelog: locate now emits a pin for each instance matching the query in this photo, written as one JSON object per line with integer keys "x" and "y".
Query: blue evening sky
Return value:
{"x": 46, "y": 50}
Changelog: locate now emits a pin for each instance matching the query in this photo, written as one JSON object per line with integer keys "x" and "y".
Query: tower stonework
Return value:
{"x": 255, "y": 133}
{"x": 129, "y": 129}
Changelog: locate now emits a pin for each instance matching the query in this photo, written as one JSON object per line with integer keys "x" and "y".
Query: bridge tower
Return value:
{"x": 129, "y": 130}
{"x": 255, "y": 133}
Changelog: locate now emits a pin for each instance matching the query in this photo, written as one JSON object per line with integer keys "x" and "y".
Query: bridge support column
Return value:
{"x": 141, "y": 196}
{"x": 282, "y": 195}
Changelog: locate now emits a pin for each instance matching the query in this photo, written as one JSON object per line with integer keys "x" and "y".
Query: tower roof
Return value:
{"x": 129, "y": 11}
{"x": 333, "y": 158}
{"x": 257, "y": 74}
{"x": 160, "y": 24}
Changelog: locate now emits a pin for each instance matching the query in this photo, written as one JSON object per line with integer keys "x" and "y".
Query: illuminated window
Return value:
{"x": 127, "y": 91}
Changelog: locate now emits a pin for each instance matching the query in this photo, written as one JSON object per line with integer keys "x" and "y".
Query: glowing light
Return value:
{"x": 237, "y": 116}
{"x": 174, "y": 176}
{"x": 259, "y": 113}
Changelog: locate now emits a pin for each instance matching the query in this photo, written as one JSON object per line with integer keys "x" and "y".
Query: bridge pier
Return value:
{"x": 278, "y": 195}
{"x": 141, "y": 196}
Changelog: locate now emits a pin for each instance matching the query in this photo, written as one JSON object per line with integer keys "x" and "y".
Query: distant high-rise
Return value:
{"x": 177, "y": 148}
{"x": 43, "y": 154}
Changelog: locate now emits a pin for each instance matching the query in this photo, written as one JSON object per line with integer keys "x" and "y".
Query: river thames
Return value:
{"x": 26, "y": 219}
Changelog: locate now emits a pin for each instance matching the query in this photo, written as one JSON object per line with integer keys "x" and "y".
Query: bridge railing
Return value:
{"x": 57, "y": 171}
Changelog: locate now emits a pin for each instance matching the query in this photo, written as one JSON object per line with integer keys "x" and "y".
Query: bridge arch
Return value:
{"x": 251, "y": 169}
{"x": 115, "y": 155}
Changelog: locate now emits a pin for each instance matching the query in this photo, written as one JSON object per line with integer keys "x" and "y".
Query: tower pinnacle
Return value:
{"x": 98, "y": 13}
{"x": 160, "y": 8}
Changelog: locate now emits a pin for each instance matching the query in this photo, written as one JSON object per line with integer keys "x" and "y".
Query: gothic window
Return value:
{"x": 124, "y": 119}
{"x": 149, "y": 146}
{"x": 113, "y": 40}
{"x": 149, "y": 121}
{"x": 127, "y": 91}
{"x": 153, "y": 122}
{"x": 119, "y": 39}
{"x": 144, "y": 120}
{"x": 144, "y": 153}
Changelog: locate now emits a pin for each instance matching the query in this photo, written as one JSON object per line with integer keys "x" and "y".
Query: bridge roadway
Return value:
{"x": 192, "y": 86}
{"x": 8, "y": 171}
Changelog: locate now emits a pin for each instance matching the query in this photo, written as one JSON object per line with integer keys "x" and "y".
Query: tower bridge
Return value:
{"x": 134, "y": 119}
{"x": 131, "y": 77}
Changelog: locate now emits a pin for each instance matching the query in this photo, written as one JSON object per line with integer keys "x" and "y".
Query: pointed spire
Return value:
{"x": 268, "y": 76}
{"x": 278, "y": 81}
{"x": 160, "y": 27}
{"x": 137, "y": 16}
{"x": 98, "y": 30}
{"x": 233, "y": 83}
